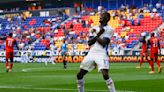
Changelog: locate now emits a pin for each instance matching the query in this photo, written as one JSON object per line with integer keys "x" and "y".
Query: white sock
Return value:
{"x": 45, "y": 62}
{"x": 110, "y": 85}
{"x": 52, "y": 60}
{"x": 80, "y": 85}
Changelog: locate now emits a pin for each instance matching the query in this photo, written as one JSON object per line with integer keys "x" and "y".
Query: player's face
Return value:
{"x": 103, "y": 18}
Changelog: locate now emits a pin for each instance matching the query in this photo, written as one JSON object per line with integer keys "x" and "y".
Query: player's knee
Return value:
{"x": 79, "y": 76}
{"x": 105, "y": 76}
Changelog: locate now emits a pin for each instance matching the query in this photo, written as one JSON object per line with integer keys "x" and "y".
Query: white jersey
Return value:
{"x": 98, "y": 48}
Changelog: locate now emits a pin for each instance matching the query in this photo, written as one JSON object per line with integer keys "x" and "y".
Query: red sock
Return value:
{"x": 11, "y": 65}
{"x": 152, "y": 65}
{"x": 7, "y": 64}
{"x": 149, "y": 63}
{"x": 158, "y": 63}
{"x": 141, "y": 62}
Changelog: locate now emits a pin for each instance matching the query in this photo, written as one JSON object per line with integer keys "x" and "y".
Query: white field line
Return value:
{"x": 59, "y": 89}
{"x": 39, "y": 68}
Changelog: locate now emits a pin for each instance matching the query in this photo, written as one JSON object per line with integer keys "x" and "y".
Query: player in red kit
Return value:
{"x": 144, "y": 51}
{"x": 10, "y": 42}
{"x": 155, "y": 46}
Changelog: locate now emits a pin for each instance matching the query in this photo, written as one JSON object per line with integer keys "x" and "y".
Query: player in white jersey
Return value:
{"x": 98, "y": 54}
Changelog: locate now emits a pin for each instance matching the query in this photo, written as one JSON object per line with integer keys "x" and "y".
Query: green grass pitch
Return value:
{"x": 36, "y": 77}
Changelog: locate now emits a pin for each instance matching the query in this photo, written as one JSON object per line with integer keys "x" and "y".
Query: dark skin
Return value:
{"x": 102, "y": 41}
{"x": 103, "y": 22}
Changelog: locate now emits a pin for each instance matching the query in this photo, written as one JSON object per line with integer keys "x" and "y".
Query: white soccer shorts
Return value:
{"x": 91, "y": 60}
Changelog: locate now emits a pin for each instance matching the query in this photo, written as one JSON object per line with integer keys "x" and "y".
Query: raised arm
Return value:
{"x": 92, "y": 41}
{"x": 105, "y": 41}
{"x": 107, "y": 37}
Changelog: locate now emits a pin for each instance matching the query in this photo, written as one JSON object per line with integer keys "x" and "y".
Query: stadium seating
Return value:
{"x": 39, "y": 24}
{"x": 130, "y": 29}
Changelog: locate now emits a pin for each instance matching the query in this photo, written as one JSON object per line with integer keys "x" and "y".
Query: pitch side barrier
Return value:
{"x": 77, "y": 59}
{"x": 116, "y": 59}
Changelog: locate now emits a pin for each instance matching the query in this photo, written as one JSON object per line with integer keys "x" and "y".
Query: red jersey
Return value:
{"x": 10, "y": 44}
{"x": 154, "y": 44}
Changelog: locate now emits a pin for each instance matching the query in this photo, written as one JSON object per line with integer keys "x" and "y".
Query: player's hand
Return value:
{"x": 101, "y": 31}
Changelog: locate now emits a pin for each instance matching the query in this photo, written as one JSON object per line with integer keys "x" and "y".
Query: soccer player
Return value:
{"x": 52, "y": 49}
{"x": 155, "y": 46}
{"x": 10, "y": 42}
{"x": 98, "y": 54}
{"x": 63, "y": 51}
{"x": 144, "y": 51}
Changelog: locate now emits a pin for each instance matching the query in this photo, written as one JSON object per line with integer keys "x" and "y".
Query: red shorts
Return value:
{"x": 153, "y": 55}
{"x": 9, "y": 55}
{"x": 143, "y": 54}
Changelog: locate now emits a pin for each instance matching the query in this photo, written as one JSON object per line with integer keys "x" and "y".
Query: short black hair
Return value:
{"x": 152, "y": 34}
{"x": 10, "y": 34}
{"x": 107, "y": 14}
{"x": 144, "y": 37}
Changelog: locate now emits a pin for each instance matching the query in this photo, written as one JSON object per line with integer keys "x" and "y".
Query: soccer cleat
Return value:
{"x": 7, "y": 69}
{"x": 138, "y": 67}
{"x": 151, "y": 72}
{"x": 159, "y": 69}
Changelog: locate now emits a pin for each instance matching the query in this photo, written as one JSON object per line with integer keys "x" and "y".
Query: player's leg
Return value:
{"x": 64, "y": 61}
{"x": 27, "y": 59}
{"x": 45, "y": 61}
{"x": 158, "y": 63}
{"x": 141, "y": 60}
{"x": 147, "y": 59}
{"x": 109, "y": 81}
{"x": 9, "y": 55}
{"x": 152, "y": 63}
{"x": 86, "y": 66}
{"x": 80, "y": 80}
{"x": 52, "y": 59}
{"x": 7, "y": 65}
{"x": 7, "y": 62}
{"x": 11, "y": 64}
{"x": 11, "y": 60}
{"x": 102, "y": 62}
